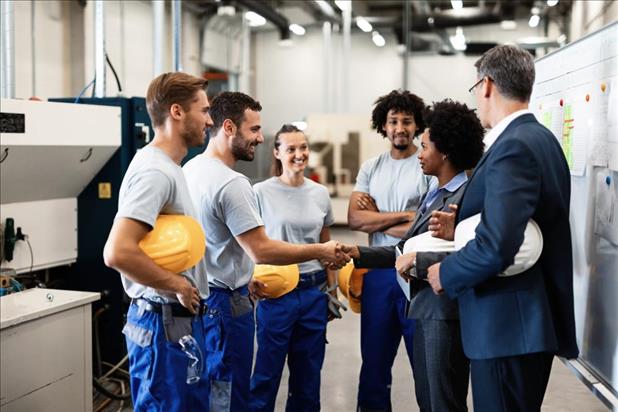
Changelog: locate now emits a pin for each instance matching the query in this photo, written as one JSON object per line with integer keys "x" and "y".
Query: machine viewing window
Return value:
{"x": 12, "y": 123}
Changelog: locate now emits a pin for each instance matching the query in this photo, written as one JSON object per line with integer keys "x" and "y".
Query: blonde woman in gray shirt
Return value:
{"x": 296, "y": 210}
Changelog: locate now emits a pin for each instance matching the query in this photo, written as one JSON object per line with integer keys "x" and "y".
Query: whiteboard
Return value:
{"x": 575, "y": 95}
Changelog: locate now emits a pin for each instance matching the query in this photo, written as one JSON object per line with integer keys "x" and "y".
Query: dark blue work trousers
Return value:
{"x": 293, "y": 325}
{"x": 383, "y": 323}
{"x": 158, "y": 368}
{"x": 229, "y": 367}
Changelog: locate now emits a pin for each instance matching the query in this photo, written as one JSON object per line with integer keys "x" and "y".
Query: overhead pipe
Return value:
{"x": 269, "y": 13}
{"x": 99, "y": 49}
{"x": 33, "y": 44}
{"x": 177, "y": 35}
{"x": 327, "y": 60}
{"x": 8, "y": 50}
{"x": 345, "y": 64}
{"x": 407, "y": 42}
{"x": 158, "y": 28}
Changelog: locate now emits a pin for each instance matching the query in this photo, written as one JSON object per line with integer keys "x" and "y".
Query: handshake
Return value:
{"x": 336, "y": 255}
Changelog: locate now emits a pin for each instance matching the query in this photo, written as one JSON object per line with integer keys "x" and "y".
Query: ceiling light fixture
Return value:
{"x": 363, "y": 24}
{"x": 457, "y": 4}
{"x": 534, "y": 20}
{"x": 297, "y": 29}
{"x": 378, "y": 40}
{"x": 458, "y": 40}
{"x": 226, "y": 11}
{"x": 254, "y": 19}
{"x": 344, "y": 4}
{"x": 552, "y": 3}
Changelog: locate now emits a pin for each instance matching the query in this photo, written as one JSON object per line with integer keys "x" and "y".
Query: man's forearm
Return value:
{"x": 370, "y": 222}
{"x": 399, "y": 230}
{"x": 139, "y": 268}
{"x": 275, "y": 252}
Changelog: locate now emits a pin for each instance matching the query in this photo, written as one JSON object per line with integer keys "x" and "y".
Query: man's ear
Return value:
{"x": 176, "y": 112}
{"x": 488, "y": 88}
{"x": 229, "y": 127}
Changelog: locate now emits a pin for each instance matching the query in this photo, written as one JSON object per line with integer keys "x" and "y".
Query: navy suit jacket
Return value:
{"x": 523, "y": 175}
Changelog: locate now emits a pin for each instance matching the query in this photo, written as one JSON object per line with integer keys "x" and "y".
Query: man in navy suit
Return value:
{"x": 512, "y": 326}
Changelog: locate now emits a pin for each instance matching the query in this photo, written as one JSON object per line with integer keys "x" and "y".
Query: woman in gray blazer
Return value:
{"x": 451, "y": 144}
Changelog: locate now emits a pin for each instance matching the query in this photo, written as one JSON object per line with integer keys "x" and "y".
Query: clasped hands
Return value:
{"x": 334, "y": 255}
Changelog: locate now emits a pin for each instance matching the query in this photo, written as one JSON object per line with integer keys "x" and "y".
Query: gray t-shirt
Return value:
{"x": 295, "y": 214}
{"x": 226, "y": 207}
{"x": 395, "y": 185}
{"x": 154, "y": 185}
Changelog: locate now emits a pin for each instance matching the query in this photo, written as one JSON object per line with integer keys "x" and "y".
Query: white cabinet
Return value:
{"x": 46, "y": 351}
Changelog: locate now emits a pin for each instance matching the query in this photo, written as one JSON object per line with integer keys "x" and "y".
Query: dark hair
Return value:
{"x": 400, "y": 101}
{"x": 276, "y": 168}
{"x": 231, "y": 105}
{"x": 456, "y": 132}
{"x": 171, "y": 88}
{"x": 511, "y": 68}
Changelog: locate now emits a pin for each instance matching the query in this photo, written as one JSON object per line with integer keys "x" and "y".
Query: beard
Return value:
{"x": 193, "y": 135}
{"x": 241, "y": 148}
{"x": 402, "y": 146}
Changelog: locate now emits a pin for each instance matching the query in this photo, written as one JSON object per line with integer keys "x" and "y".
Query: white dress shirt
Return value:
{"x": 497, "y": 130}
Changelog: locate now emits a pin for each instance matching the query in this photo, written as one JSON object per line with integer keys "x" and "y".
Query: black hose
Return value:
{"x": 102, "y": 390}
{"x": 111, "y": 66}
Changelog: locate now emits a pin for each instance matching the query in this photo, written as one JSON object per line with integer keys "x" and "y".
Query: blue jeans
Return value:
{"x": 293, "y": 325}
{"x": 383, "y": 323}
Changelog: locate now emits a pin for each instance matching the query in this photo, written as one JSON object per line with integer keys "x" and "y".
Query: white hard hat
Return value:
{"x": 528, "y": 254}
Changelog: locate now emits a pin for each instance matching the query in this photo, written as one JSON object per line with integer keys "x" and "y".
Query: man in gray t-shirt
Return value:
{"x": 383, "y": 204}
{"x": 165, "y": 306}
{"x": 236, "y": 240}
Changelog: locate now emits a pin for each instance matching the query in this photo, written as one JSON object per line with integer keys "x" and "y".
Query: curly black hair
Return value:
{"x": 231, "y": 105}
{"x": 400, "y": 101}
{"x": 456, "y": 132}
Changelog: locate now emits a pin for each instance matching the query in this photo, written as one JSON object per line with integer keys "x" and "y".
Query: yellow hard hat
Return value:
{"x": 351, "y": 285}
{"x": 279, "y": 280}
{"x": 175, "y": 243}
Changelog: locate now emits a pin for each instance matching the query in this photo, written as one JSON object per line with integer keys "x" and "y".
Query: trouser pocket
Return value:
{"x": 175, "y": 327}
{"x": 240, "y": 305}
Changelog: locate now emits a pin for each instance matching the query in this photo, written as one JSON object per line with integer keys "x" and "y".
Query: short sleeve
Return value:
{"x": 145, "y": 195}
{"x": 329, "y": 218}
{"x": 239, "y": 207}
{"x": 362, "y": 179}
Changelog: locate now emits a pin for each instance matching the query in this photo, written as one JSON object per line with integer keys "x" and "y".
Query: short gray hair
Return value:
{"x": 512, "y": 70}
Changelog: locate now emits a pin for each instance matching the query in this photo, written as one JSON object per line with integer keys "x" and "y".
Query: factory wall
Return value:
{"x": 64, "y": 51}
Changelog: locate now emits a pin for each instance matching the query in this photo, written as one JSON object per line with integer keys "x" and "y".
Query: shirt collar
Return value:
{"x": 456, "y": 182}
{"x": 497, "y": 130}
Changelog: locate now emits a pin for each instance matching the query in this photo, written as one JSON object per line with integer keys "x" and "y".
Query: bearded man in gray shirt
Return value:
{"x": 154, "y": 185}
{"x": 236, "y": 239}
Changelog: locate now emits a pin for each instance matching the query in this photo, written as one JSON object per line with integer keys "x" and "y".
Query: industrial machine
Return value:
{"x": 49, "y": 152}
{"x": 96, "y": 207}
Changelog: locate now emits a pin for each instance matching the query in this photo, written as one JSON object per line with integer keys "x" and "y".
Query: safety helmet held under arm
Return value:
{"x": 175, "y": 243}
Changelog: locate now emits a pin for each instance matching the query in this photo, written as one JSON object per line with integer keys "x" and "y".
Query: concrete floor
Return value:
{"x": 342, "y": 366}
